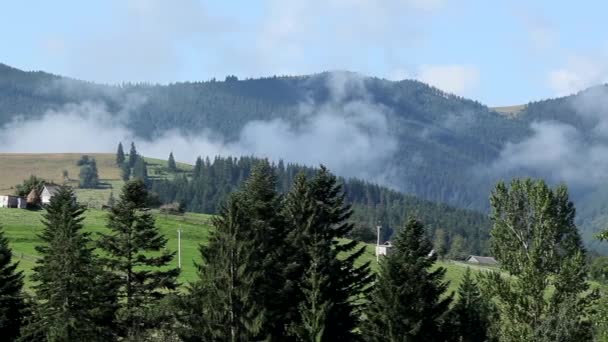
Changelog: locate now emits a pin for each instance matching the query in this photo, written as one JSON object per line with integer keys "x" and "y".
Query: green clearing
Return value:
{"x": 22, "y": 228}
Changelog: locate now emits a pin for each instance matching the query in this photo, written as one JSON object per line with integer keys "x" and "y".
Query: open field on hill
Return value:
{"x": 22, "y": 228}
{"x": 15, "y": 167}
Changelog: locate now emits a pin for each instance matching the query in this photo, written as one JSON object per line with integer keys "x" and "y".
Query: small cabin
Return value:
{"x": 10, "y": 201}
{"x": 384, "y": 249}
{"x": 481, "y": 260}
{"x": 48, "y": 192}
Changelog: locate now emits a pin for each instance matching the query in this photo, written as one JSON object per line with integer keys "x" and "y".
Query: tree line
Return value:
{"x": 277, "y": 267}
{"x": 460, "y": 232}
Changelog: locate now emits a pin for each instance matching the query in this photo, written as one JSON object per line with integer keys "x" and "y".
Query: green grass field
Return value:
{"x": 22, "y": 228}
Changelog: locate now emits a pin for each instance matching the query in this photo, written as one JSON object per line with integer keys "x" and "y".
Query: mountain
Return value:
{"x": 405, "y": 135}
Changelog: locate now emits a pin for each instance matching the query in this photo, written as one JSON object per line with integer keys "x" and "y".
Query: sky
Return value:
{"x": 496, "y": 52}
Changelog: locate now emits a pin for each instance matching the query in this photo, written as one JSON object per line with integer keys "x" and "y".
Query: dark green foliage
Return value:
{"x": 171, "y": 166}
{"x": 125, "y": 172}
{"x": 140, "y": 170}
{"x": 212, "y": 180}
{"x": 135, "y": 251}
{"x": 120, "y": 155}
{"x": 75, "y": 301}
{"x": 408, "y": 302}
{"x": 12, "y": 304}
{"x": 88, "y": 176}
{"x": 535, "y": 239}
{"x": 598, "y": 270}
{"x": 471, "y": 312}
{"x": 221, "y": 305}
{"x": 32, "y": 183}
{"x": 111, "y": 200}
{"x": 133, "y": 156}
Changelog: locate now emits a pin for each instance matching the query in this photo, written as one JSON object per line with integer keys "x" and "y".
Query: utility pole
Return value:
{"x": 378, "y": 243}
{"x": 179, "y": 248}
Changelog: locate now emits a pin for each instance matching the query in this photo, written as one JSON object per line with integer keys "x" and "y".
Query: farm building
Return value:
{"x": 10, "y": 201}
{"x": 481, "y": 260}
{"x": 48, "y": 192}
{"x": 384, "y": 249}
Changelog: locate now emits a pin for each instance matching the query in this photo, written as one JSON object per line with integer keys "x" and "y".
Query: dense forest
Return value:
{"x": 210, "y": 182}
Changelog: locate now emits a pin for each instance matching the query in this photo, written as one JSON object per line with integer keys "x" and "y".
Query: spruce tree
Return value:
{"x": 75, "y": 300}
{"x": 535, "y": 239}
{"x": 140, "y": 170}
{"x": 120, "y": 155}
{"x": 470, "y": 312}
{"x": 133, "y": 156}
{"x": 135, "y": 251}
{"x": 125, "y": 172}
{"x": 171, "y": 163}
{"x": 266, "y": 231}
{"x": 408, "y": 302}
{"x": 12, "y": 305}
{"x": 221, "y": 306}
{"x": 350, "y": 283}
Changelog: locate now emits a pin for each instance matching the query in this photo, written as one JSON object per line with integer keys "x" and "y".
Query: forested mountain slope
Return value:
{"x": 418, "y": 139}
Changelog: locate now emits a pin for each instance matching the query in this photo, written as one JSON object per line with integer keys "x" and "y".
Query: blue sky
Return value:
{"x": 497, "y": 52}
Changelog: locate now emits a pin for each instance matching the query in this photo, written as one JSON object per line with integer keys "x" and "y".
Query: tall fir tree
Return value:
{"x": 135, "y": 251}
{"x": 120, "y": 155}
{"x": 12, "y": 304}
{"x": 140, "y": 170}
{"x": 471, "y": 312}
{"x": 266, "y": 231}
{"x": 408, "y": 302}
{"x": 75, "y": 299}
{"x": 171, "y": 165}
{"x": 221, "y": 306}
{"x": 133, "y": 156}
{"x": 125, "y": 172}
{"x": 535, "y": 239}
{"x": 350, "y": 282}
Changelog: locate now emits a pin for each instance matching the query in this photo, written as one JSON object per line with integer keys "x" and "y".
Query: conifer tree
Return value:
{"x": 136, "y": 252}
{"x": 220, "y": 306}
{"x": 408, "y": 302}
{"x": 266, "y": 231}
{"x": 12, "y": 305}
{"x": 133, "y": 156}
{"x": 171, "y": 163}
{"x": 111, "y": 200}
{"x": 535, "y": 239}
{"x": 75, "y": 298}
{"x": 350, "y": 283}
{"x": 470, "y": 312}
{"x": 120, "y": 155}
{"x": 125, "y": 172}
{"x": 140, "y": 170}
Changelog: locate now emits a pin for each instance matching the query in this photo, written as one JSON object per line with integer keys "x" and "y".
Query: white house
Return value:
{"x": 48, "y": 192}
{"x": 384, "y": 249}
{"x": 10, "y": 201}
{"x": 481, "y": 260}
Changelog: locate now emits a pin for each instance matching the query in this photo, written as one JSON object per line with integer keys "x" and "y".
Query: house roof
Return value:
{"x": 51, "y": 188}
{"x": 483, "y": 259}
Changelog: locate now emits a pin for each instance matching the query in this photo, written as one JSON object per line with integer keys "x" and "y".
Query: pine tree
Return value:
{"x": 111, "y": 200}
{"x": 408, "y": 302}
{"x": 136, "y": 252}
{"x": 535, "y": 239}
{"x": 125, "y": 172}
{"x": 89, "y": 176}
{"x": 267, "y": 233}
{"x": 12, "y": 305}
{"x": 140, "y": 170}
{"x": 350, "y": 283}
{"x": 75, "y": 298}
{"x": 133, "y": 156}
{"x": 470, "y": 312}
{"x": 171, "y": 163}
{"x": 220, "y": 306}
{"x": 120, "y": 155}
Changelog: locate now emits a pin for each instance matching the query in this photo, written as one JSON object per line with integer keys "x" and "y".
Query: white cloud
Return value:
{"x": 580, "y": 72}
{"x": 455, "y": 79}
